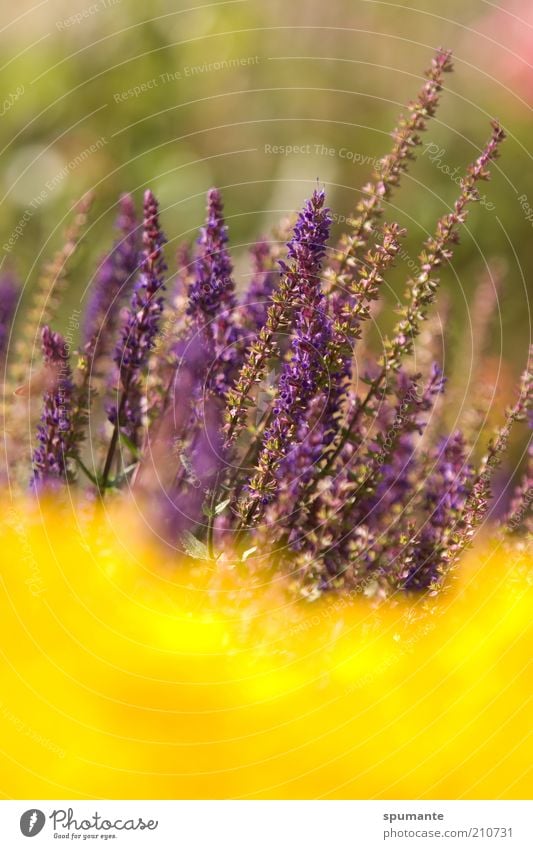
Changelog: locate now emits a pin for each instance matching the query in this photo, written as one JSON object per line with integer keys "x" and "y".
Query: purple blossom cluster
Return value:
{"x": 213, "y": 290}
{"x": 446, "y": 489}
{"x": 304, "y": 373}
{"x": 212, "y": 300}
{"x": 141, "y": 324}
{"x": 55, "y": 434}
{"x": 245, "y": 422}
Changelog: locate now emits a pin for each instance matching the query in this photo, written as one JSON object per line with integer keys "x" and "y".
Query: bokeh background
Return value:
{"x": 115, "y": 95}
{"x": 101, "y": 657}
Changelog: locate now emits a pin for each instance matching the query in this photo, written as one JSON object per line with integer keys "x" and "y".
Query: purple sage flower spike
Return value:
{"x": 303, "y": 375}
{"x": 388, "y": 173}
{"x": 445, "y": 493}
{"x": 213, "y": 288}
{"x": 139, "y": 331}
{"x": 55, "y": 436}
{"x": 422, "y": 290}
{"x": 476, "y": 506}
{"x": 358, "y": 488}
{"x": 212, "y": 299}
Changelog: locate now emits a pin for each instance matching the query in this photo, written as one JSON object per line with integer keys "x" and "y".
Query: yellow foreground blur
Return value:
{"x": 125, "y": 675}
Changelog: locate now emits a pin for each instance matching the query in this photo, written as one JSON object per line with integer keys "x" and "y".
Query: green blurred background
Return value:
{"x": 219, "y": 83}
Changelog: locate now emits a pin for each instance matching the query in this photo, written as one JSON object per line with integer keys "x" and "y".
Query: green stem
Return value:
{"x": 211, "y": 521}
{"x": 109, "y": 460}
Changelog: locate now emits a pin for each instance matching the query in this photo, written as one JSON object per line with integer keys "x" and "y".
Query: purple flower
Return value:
{"x": 213, "y": 289}
{"x": 365, "y": 490}
{"x": 407, "y": 137}
{"x": 55, "y": 436}
{"x": 9, "y": 294}
{"x": 114, "y": 274}
{"x": 142, "y": 321}
{"x": 212, "y": 300}
{"x": 265, "y": 344}
{"x": 422, "y": 289}
{"x": 303, "y": 374}
{"x": 180, "y": 505}
{"x": 297, "y": 471}
{"x": 347, "y": 316}
{"x": 446, "y": 490}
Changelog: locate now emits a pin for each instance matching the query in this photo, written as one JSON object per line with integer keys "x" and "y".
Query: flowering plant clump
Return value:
{"x": 172, "y": 398}
{"x": 282, "y": 622}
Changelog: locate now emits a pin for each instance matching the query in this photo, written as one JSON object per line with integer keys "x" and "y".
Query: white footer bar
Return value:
{"x": 267, "y": 825}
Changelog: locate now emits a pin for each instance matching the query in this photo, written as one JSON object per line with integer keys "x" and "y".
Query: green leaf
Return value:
{"x": 222, "y": 506}
{"x": 194, "y": 548}
{"x": 123, "y": 475}
{"x": 85, "y": 470}
{"x": 129, "y": 445}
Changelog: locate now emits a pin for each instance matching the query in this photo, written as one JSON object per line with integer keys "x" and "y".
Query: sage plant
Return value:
{"x": 245, "y": 419}
{"x": 55, "y": 434}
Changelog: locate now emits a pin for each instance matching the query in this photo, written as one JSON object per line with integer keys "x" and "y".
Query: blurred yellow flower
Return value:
{"x": 127, "y": 675}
